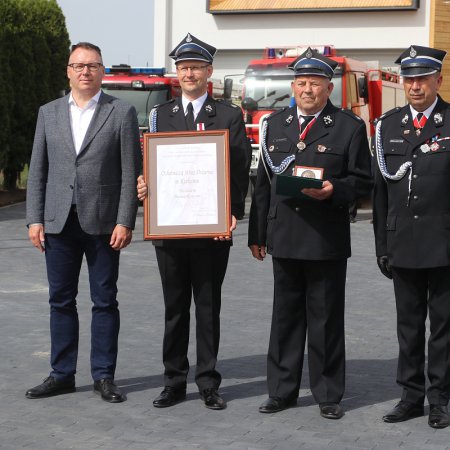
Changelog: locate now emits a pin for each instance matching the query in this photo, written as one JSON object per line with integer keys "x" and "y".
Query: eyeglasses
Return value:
{"x": 194, "y": 69}
{"x": 79, "y": 67}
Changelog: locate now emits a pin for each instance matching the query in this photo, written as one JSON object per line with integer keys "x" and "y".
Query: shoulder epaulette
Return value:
{"x": 351, "y": 114}
{"x": 387, "y": 114}
{"x": 275, "y": 113}
{"x": 168, "y": 102}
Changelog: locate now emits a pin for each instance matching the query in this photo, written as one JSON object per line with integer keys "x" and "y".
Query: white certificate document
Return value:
{"x": 186, "y": 184}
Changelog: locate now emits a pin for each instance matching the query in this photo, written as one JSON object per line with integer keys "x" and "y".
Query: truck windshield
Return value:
{"x": 142, "y": 100}
{"x": 275, "y": 93}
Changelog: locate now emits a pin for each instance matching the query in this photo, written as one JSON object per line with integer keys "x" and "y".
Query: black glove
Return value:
{"x": 383, "y": 264}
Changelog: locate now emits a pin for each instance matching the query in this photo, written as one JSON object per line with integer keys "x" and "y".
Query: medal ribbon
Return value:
{"x": 305, "y": 131}
{"x": 419, "y": 121}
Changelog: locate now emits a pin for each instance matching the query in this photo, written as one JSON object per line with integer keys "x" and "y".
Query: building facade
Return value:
{"x": 371, "y": 35}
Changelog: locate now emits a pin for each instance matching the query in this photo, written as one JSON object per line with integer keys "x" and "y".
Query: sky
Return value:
{"x": 123, "y": 29}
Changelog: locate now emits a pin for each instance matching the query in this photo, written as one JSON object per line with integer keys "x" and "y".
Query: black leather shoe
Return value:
{"x": 331, "y": 410}
{"x": 50, "y": 387}
{"x": 169, "y": 396}
{"x": 212, "y": 399}
{"x": 109, "y": 392}
{"x": 275, "y": 404}
{"x": 438, "y": 417}
{"x": 403, "y": 411}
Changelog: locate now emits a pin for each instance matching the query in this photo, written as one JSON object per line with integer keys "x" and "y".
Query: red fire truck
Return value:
{"x": 143, "y": 87}
{"x": 267, "y": 88}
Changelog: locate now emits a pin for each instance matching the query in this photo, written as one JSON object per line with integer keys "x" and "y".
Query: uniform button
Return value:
{"x": 414, "y": 156}
{"x": 415, "y": 197}
{"x": 416, "y": 217}
{"x": 71, "y": 187}
{"x": 415, "y": 176}
{"x": 297, "y": 209}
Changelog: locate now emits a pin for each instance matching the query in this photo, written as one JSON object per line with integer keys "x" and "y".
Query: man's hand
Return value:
{"x": 141, "y": 188}
{"x": 120, "y": 237}
{"x": 385, "y": 267}
{"x": 258, "y": 251}
{"x": 325, "y": 192}
{"x": 232, "y": 228}
{"x": 36, "y": 235}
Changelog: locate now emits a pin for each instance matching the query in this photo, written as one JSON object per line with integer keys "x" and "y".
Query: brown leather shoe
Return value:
{"x": 50, "y": 387}
{"x": 108, "y": 390}
{"x": 403, "y": 411}
{"x": 212, "y": 399}
{"x": 438, "y": 417}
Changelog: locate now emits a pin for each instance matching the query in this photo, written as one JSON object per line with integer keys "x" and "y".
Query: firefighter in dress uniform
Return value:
{"x": 308, "y": 237}
{"x": 197, "y": 266}
{"x": 412, "y": 232}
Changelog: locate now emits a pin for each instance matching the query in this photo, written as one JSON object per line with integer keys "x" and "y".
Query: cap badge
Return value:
{"x": 175, "y": 109}
{"x": 438, "y": 119}
{"x": 208, "y": 108}
{"x": 328, "y": 120}
{"x": 413, "y": 52}
{"x": 289, "y": 119}
{"x": 309, "y": 54}
{"x": 188, "y": 38}
{"x": 405, "y": 119}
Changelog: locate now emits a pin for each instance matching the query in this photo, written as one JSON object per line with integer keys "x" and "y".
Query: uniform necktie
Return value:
{"x": 306, "y": 120}
{"x": 190, "y": 117}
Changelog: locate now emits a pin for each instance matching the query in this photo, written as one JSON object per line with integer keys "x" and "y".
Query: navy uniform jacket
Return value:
{"x": 414, "y": 233}
{"x": 215, "y": 115}
{"x": 306, "y": 228}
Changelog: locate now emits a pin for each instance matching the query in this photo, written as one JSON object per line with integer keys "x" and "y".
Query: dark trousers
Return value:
{"x": 309, "y": 299}
{"x": 186, "y": 272}
{"x": 418, "y": 292}
{"x": 64, "y": 255}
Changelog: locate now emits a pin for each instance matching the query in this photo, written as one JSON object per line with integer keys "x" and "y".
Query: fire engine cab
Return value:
{"x": 366, "y": 91}
{"x": 143, "y": 87}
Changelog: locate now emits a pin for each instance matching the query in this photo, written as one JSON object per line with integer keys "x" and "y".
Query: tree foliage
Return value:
{"x": 34, "y": 47}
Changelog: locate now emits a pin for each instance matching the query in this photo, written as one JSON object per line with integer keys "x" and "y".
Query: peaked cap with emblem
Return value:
{"x": 191, "y": 48}
{"x": 420, "y": 61}
{"x": 311, "y": 62}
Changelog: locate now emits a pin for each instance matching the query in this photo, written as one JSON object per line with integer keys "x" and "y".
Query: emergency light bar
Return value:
{"x": 125, "y": 68}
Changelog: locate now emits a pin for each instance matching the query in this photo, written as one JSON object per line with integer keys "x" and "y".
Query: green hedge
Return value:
{"x": 34, "y": 47}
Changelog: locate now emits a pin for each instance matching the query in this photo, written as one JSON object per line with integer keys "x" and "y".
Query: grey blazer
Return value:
{"x": 102, "y": 177}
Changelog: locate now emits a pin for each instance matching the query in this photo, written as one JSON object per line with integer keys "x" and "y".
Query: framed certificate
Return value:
{"x": 187, "y": 175}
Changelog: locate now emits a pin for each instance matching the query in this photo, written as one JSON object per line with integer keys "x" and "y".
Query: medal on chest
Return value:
{"x": 301, "y": 139}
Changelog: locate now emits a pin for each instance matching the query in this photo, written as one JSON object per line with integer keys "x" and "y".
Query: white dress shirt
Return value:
{"x": 80, "y": 118}
{"x": 196, "y": 104}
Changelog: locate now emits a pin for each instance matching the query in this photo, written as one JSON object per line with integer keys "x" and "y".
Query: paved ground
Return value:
{"x": 82, "y": 421}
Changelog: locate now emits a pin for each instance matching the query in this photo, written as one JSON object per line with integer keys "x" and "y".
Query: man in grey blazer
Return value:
{"x": 81, "y": 200}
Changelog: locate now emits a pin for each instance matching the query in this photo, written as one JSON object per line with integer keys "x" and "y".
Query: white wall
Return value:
{"x": 381, "y": 35}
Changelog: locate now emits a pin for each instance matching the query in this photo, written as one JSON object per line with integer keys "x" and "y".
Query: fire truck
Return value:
{"x": 143, "y": 87}
{"x": 366, "y": 91}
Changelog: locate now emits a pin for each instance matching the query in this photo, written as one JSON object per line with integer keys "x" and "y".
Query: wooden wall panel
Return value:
{"x": 440, "y": 38}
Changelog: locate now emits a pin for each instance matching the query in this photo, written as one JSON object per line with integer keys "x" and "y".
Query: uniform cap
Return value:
{"x": 311, "y": 62}
{"x": 191, "y": 48}
{"x": 420, "y": 61}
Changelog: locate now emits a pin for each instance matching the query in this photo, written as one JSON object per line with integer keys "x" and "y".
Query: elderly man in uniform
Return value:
{"x": 411, "y": 223}
{"x": 308, "y": 234}
{"x": 197, "y": 266}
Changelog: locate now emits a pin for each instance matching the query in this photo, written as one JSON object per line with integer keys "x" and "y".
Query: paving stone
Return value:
{"x": 82, "y": 421}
